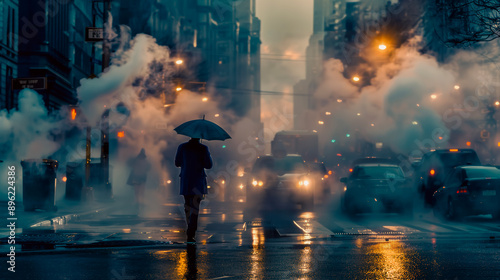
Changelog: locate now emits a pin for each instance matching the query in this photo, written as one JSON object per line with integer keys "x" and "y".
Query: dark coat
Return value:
{"x": 193, "y": 157}
{"x": 139, "y": 167}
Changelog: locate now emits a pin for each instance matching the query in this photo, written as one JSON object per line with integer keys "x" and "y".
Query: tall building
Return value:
{"x": 304, "y": 89}
{"x": 246, "y": 94}
{"x": 52, "y": 45}
{"x": 9, "y": 14}
{"x": 218, "y": 40}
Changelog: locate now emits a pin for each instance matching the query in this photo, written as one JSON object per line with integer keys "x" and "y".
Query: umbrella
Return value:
{"x": 202, "y": 129}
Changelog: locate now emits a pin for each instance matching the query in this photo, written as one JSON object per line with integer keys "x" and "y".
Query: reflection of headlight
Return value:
{"x": 304, "y": 183}
{"x": 256, "y": 183}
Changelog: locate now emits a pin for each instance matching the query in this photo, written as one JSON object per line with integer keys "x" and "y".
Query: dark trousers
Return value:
{"x": 192, "y": 208}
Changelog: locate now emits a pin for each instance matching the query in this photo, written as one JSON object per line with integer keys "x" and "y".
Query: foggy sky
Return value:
{"x": 285, "y": 31}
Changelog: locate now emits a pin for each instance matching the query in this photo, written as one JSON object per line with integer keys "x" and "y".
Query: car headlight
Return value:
{"x": 304, "y": 183}
{"x": 256, "y": 183}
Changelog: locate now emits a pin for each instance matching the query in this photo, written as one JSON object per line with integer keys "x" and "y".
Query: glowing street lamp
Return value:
{"x": 178, "y": 89}
{"x": 179, "y": 61}
{"x": 204, "y": 99}
{"x": 321, "y": 122}
{"x": 382, "y": 47}
{"x": 457, "y": 87}
{"x": 497, "y": 103}
{"x": 433, "y": 96}
{"x": 356, "y": 78}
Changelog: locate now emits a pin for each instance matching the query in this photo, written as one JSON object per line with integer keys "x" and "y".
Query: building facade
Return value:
{"x": 9, "y": 26}
{"x": 218, "y": 40}
{"x": 52, "y": 45}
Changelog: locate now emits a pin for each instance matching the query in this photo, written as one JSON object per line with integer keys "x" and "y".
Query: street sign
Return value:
{"x": 31, "y": 83}
{"x": 94, "y": 34}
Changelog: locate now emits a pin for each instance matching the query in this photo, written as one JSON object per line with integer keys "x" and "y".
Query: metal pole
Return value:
{"x": 105, "y": 45}
{"x": 92, "y": 57}
{"x": 105, "y": 154}
{"x": 87, "y": 157}
{"x": 105, "y": 115}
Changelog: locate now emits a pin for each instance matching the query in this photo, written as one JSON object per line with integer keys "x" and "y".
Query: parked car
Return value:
{"x": 469, "y": 190}
{"x": 373, "y": 186}
{"x": 434, "y": 167}
{"x": 280, "y": 180}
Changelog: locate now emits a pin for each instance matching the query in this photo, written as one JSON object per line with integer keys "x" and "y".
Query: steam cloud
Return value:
{"x": 407, "y": 104}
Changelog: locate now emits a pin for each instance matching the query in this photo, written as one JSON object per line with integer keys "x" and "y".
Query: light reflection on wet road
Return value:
{"x": 285, "y": 245}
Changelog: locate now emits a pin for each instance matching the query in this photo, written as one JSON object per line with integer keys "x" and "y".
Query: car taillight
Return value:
{"x": 462, "y": 190}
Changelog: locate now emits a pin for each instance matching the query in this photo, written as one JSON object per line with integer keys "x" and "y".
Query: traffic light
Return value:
{"x": 485, "y": 134}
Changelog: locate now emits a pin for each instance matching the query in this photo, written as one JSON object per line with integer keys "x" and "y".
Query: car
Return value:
{"x": 373, "y": 186}
{"x": 277, "y": 180}
{"x": 469, "y": 190}
{"x": 321, "y": 180}
{"x": 434, "y": 166}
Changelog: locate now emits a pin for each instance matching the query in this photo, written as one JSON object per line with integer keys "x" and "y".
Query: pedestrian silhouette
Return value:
{"x": 193, "y": 158}
{"x": 138, "y": 175}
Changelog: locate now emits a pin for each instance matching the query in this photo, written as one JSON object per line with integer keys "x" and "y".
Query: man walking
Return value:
{"x": 193, "y": 157}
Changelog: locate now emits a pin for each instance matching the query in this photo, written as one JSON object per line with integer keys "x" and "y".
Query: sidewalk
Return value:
{"x": 107, "y": 225}
{"x": 67, "y": 210}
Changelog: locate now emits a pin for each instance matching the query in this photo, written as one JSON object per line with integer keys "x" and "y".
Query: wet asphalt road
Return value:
{"x": 289, "y": 244}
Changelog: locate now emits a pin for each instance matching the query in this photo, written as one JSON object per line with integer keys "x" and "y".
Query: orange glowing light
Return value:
{"x": 382, "y": 47}
{"x": 73, "y": 114}
{"x": 64, "y": 179}
{"x": 468, "y": 143}
{"x": 355, "y": 78}
{"x": 121, "y": 134}
{"x": 453, "y": 150}
{"x": 350, "y": 169}
{"x": 329, "y": 172}
{"x": 326, "y": 176}
{"x": 498, "y": 144}
{"x": 432, "y": 172}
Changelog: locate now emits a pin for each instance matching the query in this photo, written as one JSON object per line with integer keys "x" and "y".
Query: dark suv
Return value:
{"x": 435, "y": 166}
{"x": 372, "y": 187}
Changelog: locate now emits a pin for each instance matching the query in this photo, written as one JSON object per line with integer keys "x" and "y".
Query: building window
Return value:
{"x": 9, "y": 93}
{"x": 11, "y": 27}
{"x": 203, "y": 18}
{"x": 222, "y": 48}
{"x": 223, "y": 60}
{"x": 202, "y": 2}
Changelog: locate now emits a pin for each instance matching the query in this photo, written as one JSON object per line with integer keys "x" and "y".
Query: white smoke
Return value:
{"x": 404, "y": 104}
